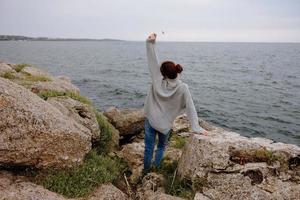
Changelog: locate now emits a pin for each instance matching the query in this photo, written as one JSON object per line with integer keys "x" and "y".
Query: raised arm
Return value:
{"x": 153, "y": 64}
{"x": 192, "y": 113}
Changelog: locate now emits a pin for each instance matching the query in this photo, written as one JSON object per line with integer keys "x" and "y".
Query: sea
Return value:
{"x": 249, "y": 88}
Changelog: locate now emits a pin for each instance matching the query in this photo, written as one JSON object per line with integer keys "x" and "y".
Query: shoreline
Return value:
{"x": 84, "y": 145}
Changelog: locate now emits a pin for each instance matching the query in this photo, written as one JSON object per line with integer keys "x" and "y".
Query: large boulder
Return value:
{"x": 133, "y": 154}
{"x": 225, "y": 165}
{"x": 13, "y": 188}
{"x": 56, "y": 84}
{"x": 127, "y": 121}
{"x": 82, "y": 113}
{"x": 32, "y": 71}
{"x": 200, "y": 196}
{"x": 18, "y": 188}
{"x": 152, "y": 188}
{"x": 5, "y": 68}
{"x": 181, "y": 125}
{"x": 35, "y": 133}
{"x": 37, "y": 80}
{"x": 106, "y": 192}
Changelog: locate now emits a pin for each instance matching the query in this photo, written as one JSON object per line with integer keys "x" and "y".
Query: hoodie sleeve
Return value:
{"x": 191, "y": 112}
{"x": 153, "y": 64}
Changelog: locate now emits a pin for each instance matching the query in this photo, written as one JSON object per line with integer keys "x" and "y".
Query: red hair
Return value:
{"x": 170, "y": 70}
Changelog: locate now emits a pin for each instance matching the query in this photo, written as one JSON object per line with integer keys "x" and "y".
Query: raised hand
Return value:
{"x": 152, "y": 37}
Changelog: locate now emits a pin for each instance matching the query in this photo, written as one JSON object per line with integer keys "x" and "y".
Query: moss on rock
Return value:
{"x": 177, "y": 141}
{"x": 109, "y": 139}
{"x": 8, "y": 75}
{"x": 46, "y": 94}
{"x": 173, "y": 185}
{"x": 19, "y": 67}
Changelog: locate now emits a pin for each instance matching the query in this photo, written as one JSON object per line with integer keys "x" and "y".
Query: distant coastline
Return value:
{"x": 25, "y": 38}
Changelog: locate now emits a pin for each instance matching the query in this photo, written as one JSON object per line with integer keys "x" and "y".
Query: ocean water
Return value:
{"x": 250, "y": 88}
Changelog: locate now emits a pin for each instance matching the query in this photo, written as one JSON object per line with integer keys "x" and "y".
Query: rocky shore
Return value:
{"x": 55, "y": 145}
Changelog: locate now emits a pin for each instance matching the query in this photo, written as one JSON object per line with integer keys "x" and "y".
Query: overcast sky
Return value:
{"x": 181, "y": 20}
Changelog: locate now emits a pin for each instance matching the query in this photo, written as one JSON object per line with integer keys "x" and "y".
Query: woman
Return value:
{"x": 167, "y": 98}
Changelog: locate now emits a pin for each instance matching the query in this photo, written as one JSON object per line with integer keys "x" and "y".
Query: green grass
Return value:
{"x": 37, "y": 78}
{"x": 80, "y": 181}
{"x": 46, "y": 94}
{"x": 175, "y": 186}
{"x": 19, "y": 67}
{"x": 199, "y": 183}
{"x": 257, "y": 155}
{"x": 27, "y": 77}
{"x": 177, "y": 141}
{"x": 8, "y": 75}
{"x": 266, "y": 156}
{"x": 108, "y": 134}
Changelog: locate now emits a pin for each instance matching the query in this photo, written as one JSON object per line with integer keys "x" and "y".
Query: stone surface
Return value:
{"x": 36, "y": 72}
{"x": 64, "y": 78}
{"x": 133, "y": 154}
{"x": 161, "y": 196}
{"x": 225, "y": 165}
{"x": 82, "y": 113}
{"x": 107, "y": 192}
{"x": 12, "y": 188}
{"x": 29, "y": 77}
{"x": 181, "y": 124}
{"x": 5, "y": 68}
{"x": 172, "y": 154}
{"x": 34, "y": 133}
{"x": 152, "y": 181}
{"x": 127, "y": 121}
{"x": 152, "y": 188}
{"x": 232, "y": 186}
{"x": 200, "y": 196}
{"x": 56, "y": 84}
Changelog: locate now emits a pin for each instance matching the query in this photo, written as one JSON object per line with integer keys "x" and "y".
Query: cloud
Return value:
{"x": 208, "y": 20}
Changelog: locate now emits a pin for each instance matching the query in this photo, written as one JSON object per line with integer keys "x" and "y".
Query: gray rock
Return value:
{"x": 152, "y": 181}
{"x": 152, "y": 188}
{"x": 12, "y": 188}
{"x": 161, "y": 196}
{"x": 5, "y": 68}
{"x": 36, "y": 72}
{"x": 56, "y": 84}
{"x": 203, "y": 153}
{"x": 181, "y": 125}
{"x": 38, "y": 80}
{"x": 133, "y": 154}
{"x": 232, "y": 187}
{"x": 34, "y": 133}
{"x": 225, "y": 165}
{"x": 82, "y": 113}
{"x": 127, "y": 121}
{"x": 107, "y": 192}
{"x": 64, "y": 78}
{"x": 200, "y": 196}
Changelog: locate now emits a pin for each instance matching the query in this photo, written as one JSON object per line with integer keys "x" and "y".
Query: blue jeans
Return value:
{"x": 150, "y": 135}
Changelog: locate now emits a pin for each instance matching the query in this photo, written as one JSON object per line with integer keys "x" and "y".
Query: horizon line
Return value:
{"x": 124, "y": 40}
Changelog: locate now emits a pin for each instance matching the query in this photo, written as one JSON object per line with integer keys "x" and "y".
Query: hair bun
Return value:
{"x": 178, "y": 68}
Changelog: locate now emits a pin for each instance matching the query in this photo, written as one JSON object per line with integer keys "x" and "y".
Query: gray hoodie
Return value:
{"x": 167, "y": 98}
